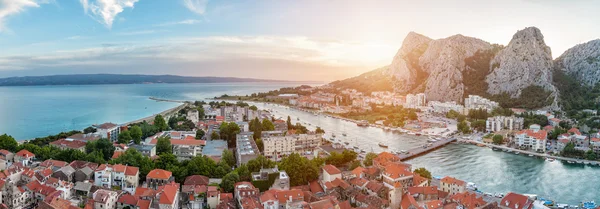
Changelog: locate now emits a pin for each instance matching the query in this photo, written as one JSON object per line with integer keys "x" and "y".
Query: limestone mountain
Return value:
{"x": 524, "y": 62}
{"x": 582, "y": 62}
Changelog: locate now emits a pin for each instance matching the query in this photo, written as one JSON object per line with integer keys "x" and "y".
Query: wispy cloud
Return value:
{"x": 140, "y": 32}
{"x": 105, "y": 11}
{"x": 196, "y": 6}
{"x": 12, "y": 7}
{"x": 183, "y": 22}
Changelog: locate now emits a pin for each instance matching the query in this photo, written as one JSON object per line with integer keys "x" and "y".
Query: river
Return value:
{"x": 492, "y": 171}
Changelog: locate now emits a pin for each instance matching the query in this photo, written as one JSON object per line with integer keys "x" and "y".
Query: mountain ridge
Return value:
{"x": 100, "y": 79}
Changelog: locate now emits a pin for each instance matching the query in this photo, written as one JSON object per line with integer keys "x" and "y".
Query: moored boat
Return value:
{"x": 383, "y": 145}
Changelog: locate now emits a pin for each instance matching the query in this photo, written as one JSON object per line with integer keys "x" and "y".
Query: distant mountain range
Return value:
{"x": 521, "y": 74}
{"x": 94, "y": 79}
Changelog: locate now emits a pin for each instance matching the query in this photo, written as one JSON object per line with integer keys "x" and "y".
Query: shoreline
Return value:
{"x": 147, "y": 119}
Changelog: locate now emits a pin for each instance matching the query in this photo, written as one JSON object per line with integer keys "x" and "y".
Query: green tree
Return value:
{"x": 163, "y": 145}
{"x": 125, "y": 137}
{"x": 452, "y": 114}
{"x": 214, "y": 135}
{"x": 256, "y": 127}
{"x": 134, "y": 158}
{"x": 253, "y": 108}
{"x": 243, "y": 172}
{"x": 498, "y": 139}
{"x": 259, "y": 162}
{"x": 229, "y": 181}
{"x": 590, "y": 155}
{"x": 89, "y": 130}
{"x": 319, "y": 130}
{"x": 354, "y": 164}
{"x": 369, "y": 159}
{"x": 300, "y": 169}
{"x": 104, "y": 146}
{"x": 461, "y": 118}
{"x": 289, "y": 123}
{"x": 463, "y": 127}
{"x": 228, "y": 131}
{"x": 160, "y": 123}
{"x": 478, "y": 125}
{"x": 199, "y": 134}
{"x": 201, "y": 113}
{"x": 423, "y": 172}
{"x": 136, "y": 134}
{"x": 228, "y": 158}
{"x": 267, "y": 125}
{"x": 260, "y": 144}
{"x": 165, "y": 159}
{"x": 8, "y": 143}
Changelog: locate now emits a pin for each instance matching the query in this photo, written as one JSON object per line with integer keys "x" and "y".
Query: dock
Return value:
{"x": 421, "y": 150}
{"x": 167, "y": 100}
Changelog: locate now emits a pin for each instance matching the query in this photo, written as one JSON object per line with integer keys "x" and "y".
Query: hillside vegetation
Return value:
{"x": 376, "y": 80}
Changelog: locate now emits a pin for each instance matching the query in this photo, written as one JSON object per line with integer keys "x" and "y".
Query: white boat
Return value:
{"x": 516, "y": 153}
{"x": 530, "y": 155}
{"x": 471, "y": 186}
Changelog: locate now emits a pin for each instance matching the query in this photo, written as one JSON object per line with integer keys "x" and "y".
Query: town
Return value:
{"x": 233, "y": 155}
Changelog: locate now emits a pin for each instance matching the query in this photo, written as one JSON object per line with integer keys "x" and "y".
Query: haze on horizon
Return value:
{"x": 269, "y": 39}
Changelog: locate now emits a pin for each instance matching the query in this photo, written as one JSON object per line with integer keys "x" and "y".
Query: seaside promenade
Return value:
{"x": 525, "y": 152}
{"x": 421, "y": 150}
{"x": 165, "y": 113}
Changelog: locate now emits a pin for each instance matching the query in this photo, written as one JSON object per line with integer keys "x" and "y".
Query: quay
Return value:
{"x": 168, "y": 100}
{"x": 421, "y": 150}
{"x": 543, "y": 155}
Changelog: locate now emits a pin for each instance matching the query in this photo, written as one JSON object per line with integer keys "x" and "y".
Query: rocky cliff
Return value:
{"x": 405, "y": 65}
{"x": 525, "y": 61}
{"x": 582, "y": 62}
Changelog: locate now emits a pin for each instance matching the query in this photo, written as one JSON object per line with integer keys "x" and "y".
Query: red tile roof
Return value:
{"x": 315, "y": 187}
{"x": 168, "y": 194}
{"x": 409, "y": 200}
{"x": 143, "y": 204}
{"x": 516, "y": 201}
{"x": 128, "y": 199}
{"x": 159, "y": 174}
{"x": 358, "y": 181}
{"x": 331, "y": 170}
{"x": 423, "y": 190}
{"x": 68, "y": 144}
{"x": 434, "y": 204}
{"x": 116, "y": 154}
{"x": 468, "y": 200}
{"x": 574, "y": 131}
{"x": 451, "y": 180}
{"x": 418, "y": 179}
{"x": 4, "y": 152}
{"x": 358, "y": 171}
{"x": 25, "y": 153}
{"x": 192, "y": 142}
{"x": 539, "y": 135}
{"x": 56, "y": 163}
{"x": 374, "y": 186}
{"x": 395, "y": 171}
{"x": 196, "y": 180}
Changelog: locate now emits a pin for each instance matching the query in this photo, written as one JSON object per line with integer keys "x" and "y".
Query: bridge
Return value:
{"x": 421, "y": 150}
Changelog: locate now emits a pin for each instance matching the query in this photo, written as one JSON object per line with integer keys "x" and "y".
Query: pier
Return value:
{"x": 168, "y": 100}
{"x": 421, "y": 150}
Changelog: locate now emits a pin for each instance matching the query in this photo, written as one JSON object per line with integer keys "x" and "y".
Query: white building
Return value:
{"x": 415, "y": 100}
{"x": 125, "y": 177}
{"x": 105, "y": 199}
{"x": 498, "y": 123}
{"x": 474, "y": 102}
{"x": 445, "y": 107}
{"x": 330, "y": 173}
{"x": 246, "y": 148}
{"x": 533, "y": 138}
{"x": 109, "y": 131}
{"x": 276, "y": 147}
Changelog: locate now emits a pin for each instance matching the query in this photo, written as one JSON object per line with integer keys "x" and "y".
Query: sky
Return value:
{"x": 304, "y": 40}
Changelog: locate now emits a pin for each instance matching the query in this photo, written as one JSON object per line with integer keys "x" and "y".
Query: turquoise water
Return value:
{"x": 492, "y": 171}
{"x": 36, "y": 111}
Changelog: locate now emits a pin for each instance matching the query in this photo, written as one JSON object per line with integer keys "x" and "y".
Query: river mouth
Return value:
{"x": 492, "y": 171}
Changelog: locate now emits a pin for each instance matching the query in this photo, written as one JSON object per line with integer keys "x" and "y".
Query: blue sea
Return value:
{"x": 36, "y": 111}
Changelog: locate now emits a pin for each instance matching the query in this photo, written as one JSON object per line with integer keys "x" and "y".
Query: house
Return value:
{"x": 280, "y": 199}
{"x": 185, "y": 149}
{"x": 212, "y": 197}
{"x": 127, "y": 200}
{"x": 468, "y": 200}
{"x": 82, "y": 189}
{"x": 516, "y": 201}
{"x": 53, "y": 164}
{"x": 330, "y": 173}
{"x": 452, "y": 185}
{"x": 158, "y": 177}
{"x": 64, "y": 144}
{"x": 532, "y": 138}
{"x": 24, "y": 157}
{"x": 146, "y": 149}
{"x": 384, "y": 158}
{"x": 108, "y": 131}
{"x": 409, "y": 202}
{"x": 105, "y": 199}
{"x": 6, "y": 158}
{"x": 84, "y": 137}
{"x": 397, "y": 173}
{"x": 169, "y": 196}
{"x": 83, "y": 174}
{"x": 65, "y": 173}
{"x": 424, "y": 193}
{"x": 121, "y": 176}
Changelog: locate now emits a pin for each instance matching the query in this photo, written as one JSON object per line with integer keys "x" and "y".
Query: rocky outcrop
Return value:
{"x": 582, "y": 62}
{"x": 525, "y": 61}
{"x": 404, "y": 66}
{"x": 444, "y": 61}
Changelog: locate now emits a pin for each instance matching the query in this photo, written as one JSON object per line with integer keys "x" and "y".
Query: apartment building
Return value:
{"x": 123, "y": 176}
{"x": 276, "y": 147}
{"x": 498, "y": 123}
{"x": 246, "y": 148}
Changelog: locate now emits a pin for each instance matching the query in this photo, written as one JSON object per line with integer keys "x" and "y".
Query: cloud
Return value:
{"x": 105, "y": 11}
{"x": 13, "y": 7}
{"x": 196, "y": 6}
{"x": 243, "y": 56}
{"x": 183, "y": 22}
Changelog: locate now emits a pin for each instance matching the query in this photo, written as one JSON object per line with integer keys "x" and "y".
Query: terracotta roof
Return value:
{"x": 118, "y": 168}
{"x": 574, "y": 131}
{"x": 451, "y": 180}
{"x": 386, "y": 157}
{"x": 564, "y": 141}
{"x": 68, "y": 143}
{"x": 25, "y": 153}
{"x": 595, "y": 139}
{"x": 56, "y": 163}
{"x": 539, "y": 135}
{"x": 468, "y": 200}
{"x": 434, "y": 204}
{"x": 315, "y": 187}
{"x": 418, "y": 179}
{"x": 423, "y": 190}
{"x": 250, "y": 203}
{"x": 132, "y": 171}
{"x": 192, "y": 142}
{"x": 516, "y": 201}
{"x": 144, "y": 192}
{"x": 284, "y": 196}
{"x": 4, "y": 152}
{"x": 168, "y": 194}
{"x": 159, "y": 174}
{"x": 128, "y": 199}
{"x": 395, "y": 171}
{"x": 331, "y": 170}
{"x": 107, "y": 125}
{"x": 409, "y": 200}
{"x": 374, "y": 186}
{"x": 358, "y": 171}
{"x": 143, "y": 204}
{"x": 358, "y": 181}
{"x": 322, "y": 204}
{"x": 196, "y": 189}
{"x": 196, "y": 180}
{"x": 116, "y": 154}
